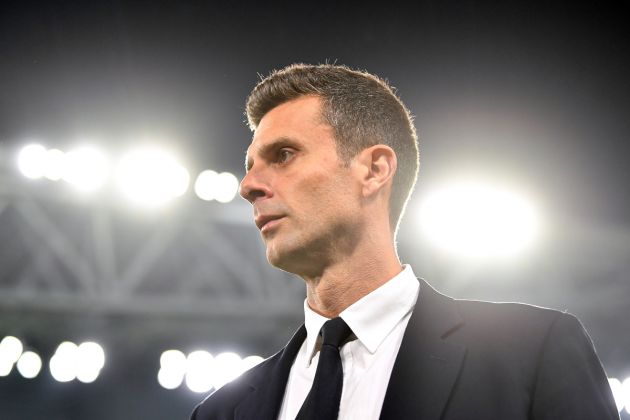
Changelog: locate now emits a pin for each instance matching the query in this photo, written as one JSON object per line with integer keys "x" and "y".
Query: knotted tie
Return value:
{"x": 322, "y": 402}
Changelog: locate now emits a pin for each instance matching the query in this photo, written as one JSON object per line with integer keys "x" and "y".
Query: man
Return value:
{"x": 330, "y": 168}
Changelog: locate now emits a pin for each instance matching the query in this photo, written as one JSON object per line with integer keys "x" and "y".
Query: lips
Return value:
{"x": 262, "y": 220}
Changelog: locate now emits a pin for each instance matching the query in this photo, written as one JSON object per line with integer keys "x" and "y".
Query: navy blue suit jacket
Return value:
{"x": 459, "y": 360}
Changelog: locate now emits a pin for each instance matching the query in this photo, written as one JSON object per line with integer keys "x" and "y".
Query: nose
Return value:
{"x": 253, "y": 187}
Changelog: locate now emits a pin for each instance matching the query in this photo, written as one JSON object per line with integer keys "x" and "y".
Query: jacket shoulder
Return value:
{"x": 508, "y": 314}
{"x": 511, "y": 324}
{"x": 547, "y": 352}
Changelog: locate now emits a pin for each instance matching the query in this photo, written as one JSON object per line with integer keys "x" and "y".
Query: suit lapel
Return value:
{"x": 427, "y": 366}
{"x": 267, "y": 389}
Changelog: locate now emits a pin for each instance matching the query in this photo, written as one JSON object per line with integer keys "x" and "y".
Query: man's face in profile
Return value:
{"x": 304, "y": 197}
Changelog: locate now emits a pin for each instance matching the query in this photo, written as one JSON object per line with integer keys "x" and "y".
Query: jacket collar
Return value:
{"x": 427, "y": 365}
{"x": 267, "y": 388}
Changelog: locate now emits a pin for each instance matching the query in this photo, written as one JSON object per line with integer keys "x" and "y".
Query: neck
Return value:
{"x": 344, "y": 282}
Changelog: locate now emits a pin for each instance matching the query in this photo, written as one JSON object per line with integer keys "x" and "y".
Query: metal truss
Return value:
{"x": 63, "y": 252}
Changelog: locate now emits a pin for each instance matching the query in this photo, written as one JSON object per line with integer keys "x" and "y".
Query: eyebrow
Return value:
{"x": 266, "y": 149}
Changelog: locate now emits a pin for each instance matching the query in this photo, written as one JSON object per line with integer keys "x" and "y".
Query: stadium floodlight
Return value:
{"x": 6, "y": 367}
{"x": 92, "y": 353}
{"x": 173, "y": 359}
{"x": 617, "y": 391}
{"x": 11, "y": 349}
{"x": 228, "y": 366}
{"x": 205, "y": 185}
{"x": 625, "y": 392}
{"x": 87, "y": 168}
{"x": 477, "y": 220}
{"x": 172, "y": 369}
{"x": 83, "y": 362}
{"x": 63, "y": 363}
{"x": 32, "y": 161}
{"x": 55, "y": 164}
{"x": 200, "y": 367}
{"x": 151, "y": 177}
{"x": 90, "y": 361}
{"x": 202, "y": 371}
{"x": 169, "y": 379}
{"x": 29, "y": 365}
{"x": 249, "y": 362}
{"x": 213, "y": 186}
{"x": 227, "y": 187}
{"x": 87, "y": 375}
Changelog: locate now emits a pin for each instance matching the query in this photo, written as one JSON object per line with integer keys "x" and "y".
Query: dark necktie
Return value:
{"x": 322, "y": 402}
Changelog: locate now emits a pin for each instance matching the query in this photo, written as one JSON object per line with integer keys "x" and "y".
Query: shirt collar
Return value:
{"x": 372, "y": 317}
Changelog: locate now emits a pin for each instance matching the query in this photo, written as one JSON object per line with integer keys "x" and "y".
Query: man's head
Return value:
{"x": 362, "y": 110}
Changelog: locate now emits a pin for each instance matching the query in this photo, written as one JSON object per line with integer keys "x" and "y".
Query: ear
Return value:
{"x": 378, "y": 164}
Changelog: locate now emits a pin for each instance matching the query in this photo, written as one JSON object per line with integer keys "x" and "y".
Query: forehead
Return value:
{"x": 299, "y": 119}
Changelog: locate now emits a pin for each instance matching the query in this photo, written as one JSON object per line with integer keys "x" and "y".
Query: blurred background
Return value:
{"x": 133, "y": 282}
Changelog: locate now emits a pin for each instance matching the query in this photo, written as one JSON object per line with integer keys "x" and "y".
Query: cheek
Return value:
{"x": 315, "y": 193}
{"x": 319, "y": 189}
{"x": 333, "y": 196}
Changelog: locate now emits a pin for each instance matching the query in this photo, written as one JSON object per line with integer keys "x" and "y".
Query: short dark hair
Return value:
{"x": 362, "y": 109}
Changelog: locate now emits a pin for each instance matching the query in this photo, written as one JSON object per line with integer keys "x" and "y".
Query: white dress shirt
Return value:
{"x": 378, "y": 320}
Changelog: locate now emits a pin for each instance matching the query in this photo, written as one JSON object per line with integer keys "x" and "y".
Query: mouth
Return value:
{"x": 264, "y": 223}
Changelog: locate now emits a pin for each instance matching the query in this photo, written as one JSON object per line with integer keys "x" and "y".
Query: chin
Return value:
{"x": 274, "y": 256}
{"x": 284, "y": 258}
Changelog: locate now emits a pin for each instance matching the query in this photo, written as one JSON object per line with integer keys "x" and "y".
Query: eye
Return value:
{"x": 284, "y": 155}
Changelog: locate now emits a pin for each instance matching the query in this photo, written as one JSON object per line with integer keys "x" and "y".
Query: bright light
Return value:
{"x": 172, "y": 369}
{"x": 204, "y": 185}
{"x": 173, "y": 360}
{"x": 227, "y": 187}
{"x": 90, "y": 361}
{"x": 5, "y": 367}
{"x": 625, "y": 392}
{"x": 200, "y": 366}
{"x": 29, "y": 365}
{"x": 63, "y": 362}
{"x": 212, "y": 186}
{"x": 92, "y": 354}
{"x": 86, "y": 168}
{"x": 227, "y": 368}
{"x": 169, "y": 379}
{"x": 11, "y": 349}
{"x": 615, "y": 387}
{"x": 87, "y": 375}
{"x": 32, "y": 160}
{"x": 200, "y": 370}
{"x": 55, "y": 164}
{"x": 249, "y": 362}
{"x": 476, "y": 220}
{"x": 151, "y": 177}
{"x": 83, "y": 362}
